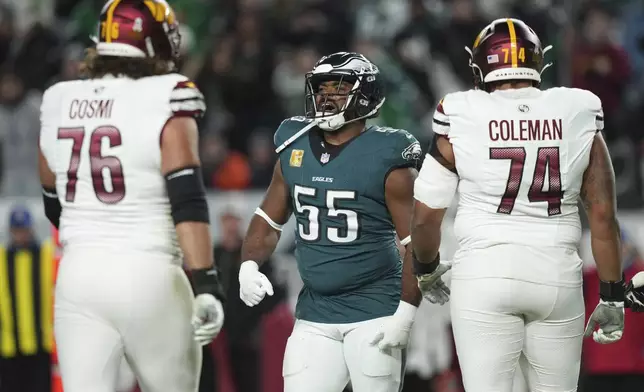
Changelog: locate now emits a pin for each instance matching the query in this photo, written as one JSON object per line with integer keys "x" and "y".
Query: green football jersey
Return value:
{"x": 345, "y": 238}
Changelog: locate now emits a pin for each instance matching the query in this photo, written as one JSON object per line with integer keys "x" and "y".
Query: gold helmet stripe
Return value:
{"x": 513, "y": 43}
{"x": 110, "y": 18}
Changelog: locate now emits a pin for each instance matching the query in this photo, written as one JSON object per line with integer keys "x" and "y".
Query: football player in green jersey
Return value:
{"x": 350, "y": 188}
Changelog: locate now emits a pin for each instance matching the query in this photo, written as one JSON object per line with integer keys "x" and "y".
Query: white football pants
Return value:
{"x": 499, "y": 323}
{"x": 108, "y": 306}
{"x": 323, "y": 357}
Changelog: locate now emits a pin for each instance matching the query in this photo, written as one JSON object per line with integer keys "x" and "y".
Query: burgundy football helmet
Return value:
{"x": 138, "y": 28}
{"x": 507, "y": 49}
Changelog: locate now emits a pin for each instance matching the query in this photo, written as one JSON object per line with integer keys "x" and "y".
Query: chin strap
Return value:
{"x": 319, "y": 121}
{"x": 313, "y": 123}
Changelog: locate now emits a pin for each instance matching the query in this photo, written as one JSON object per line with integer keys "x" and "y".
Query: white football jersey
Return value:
{"x": 520, "y": 156}
{"x": 101, "y": 138}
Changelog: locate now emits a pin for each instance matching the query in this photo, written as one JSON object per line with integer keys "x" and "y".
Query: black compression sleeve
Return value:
{"x": 53, "y": 209}
{"x": 187, "y": 195}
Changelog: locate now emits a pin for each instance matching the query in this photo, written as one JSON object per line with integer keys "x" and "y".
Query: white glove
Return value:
{"x": 253, "y": 285}
{"x": 635, "y": 293}
{"x": 609, "y": 317}
{"x": 394, "y": 332}
{"x": 207, "y": 318}
{"x": 432, "y": 286}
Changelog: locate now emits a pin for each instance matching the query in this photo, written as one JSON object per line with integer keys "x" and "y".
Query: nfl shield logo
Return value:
{"x": 325, "y": 157}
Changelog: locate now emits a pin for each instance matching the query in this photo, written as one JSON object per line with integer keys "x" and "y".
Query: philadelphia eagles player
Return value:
{"x": 350, "y": 187}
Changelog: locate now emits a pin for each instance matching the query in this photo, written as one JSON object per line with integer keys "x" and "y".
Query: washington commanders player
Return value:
{"x": 121, "y": 180}
{"x": 520, "y": 158}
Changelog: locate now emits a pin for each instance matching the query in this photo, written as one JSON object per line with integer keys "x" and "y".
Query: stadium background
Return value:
{"x": 249, "y": 58}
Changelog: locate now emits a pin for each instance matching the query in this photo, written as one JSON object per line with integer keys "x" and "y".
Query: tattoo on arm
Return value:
{"x": 598, "y": 186}
{"x": 598, "y": 196}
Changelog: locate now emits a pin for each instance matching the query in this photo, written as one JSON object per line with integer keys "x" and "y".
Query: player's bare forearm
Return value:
{"x": 265, "y": 227}
{"x": 426, "y": 232}
{"x": 260, "y": 241}
{"x": 196, "y": 244}
{"x": 399, "y": 196}
{"x": 180, "y": 166}
{"x": 410, "y": 292}
{"x": 598, "y": 196}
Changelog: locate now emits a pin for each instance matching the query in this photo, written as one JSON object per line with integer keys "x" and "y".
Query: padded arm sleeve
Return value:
{"x": 187, "y": 195}
{"x": 435, "y": 185}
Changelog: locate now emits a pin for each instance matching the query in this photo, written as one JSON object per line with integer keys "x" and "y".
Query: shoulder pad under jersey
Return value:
{"x": 186, "y": 100}
{"x": 401, "y": 148}
{"x": 288, "y": 128}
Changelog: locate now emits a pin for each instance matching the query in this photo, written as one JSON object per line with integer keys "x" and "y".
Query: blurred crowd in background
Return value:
{"x": 249, "y": 58}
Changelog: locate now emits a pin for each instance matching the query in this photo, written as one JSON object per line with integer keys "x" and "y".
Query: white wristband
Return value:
{"x": 405, "y": 240}
{"x": 268, "y": 219}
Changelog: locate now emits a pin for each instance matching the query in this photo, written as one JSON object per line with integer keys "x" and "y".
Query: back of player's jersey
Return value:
{"x": 101, "y": 138}
{"x": 520, "y": 156}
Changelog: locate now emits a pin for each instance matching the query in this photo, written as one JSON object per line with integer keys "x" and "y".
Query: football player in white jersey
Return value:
{"x": 520, "y": 158}
{"x": 121, "y": 176}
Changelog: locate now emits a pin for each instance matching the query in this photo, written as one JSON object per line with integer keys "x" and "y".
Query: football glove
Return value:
{"x": 207, "y": 318}
{"x": 394, "y": 331}
{"x": 635, "y": 293}
{"x": 208, "y": 308}
{"x": 429, "y": 279}
{"x": 253, "y": 285}
{"x": 608, "y": 316}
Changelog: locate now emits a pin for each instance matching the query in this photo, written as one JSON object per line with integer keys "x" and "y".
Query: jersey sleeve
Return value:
{"x": 405, "y": 152}
{"x": 440, "y": 122}
{"x": 590, "y": 114}
{"x": 598, "y": 112}
{"x": 186, "y": 100}
{"x": 49, "y": 109}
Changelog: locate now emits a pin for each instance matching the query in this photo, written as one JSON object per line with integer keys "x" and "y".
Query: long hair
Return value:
{"x": 96, "y": 66}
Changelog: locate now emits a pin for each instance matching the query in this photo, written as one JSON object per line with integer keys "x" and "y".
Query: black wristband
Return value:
{"x": 425, "y": 268}
{"x": 206, "y": 281}
{"x": 612, "y": 291}
{"x": 53, "y": 209}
